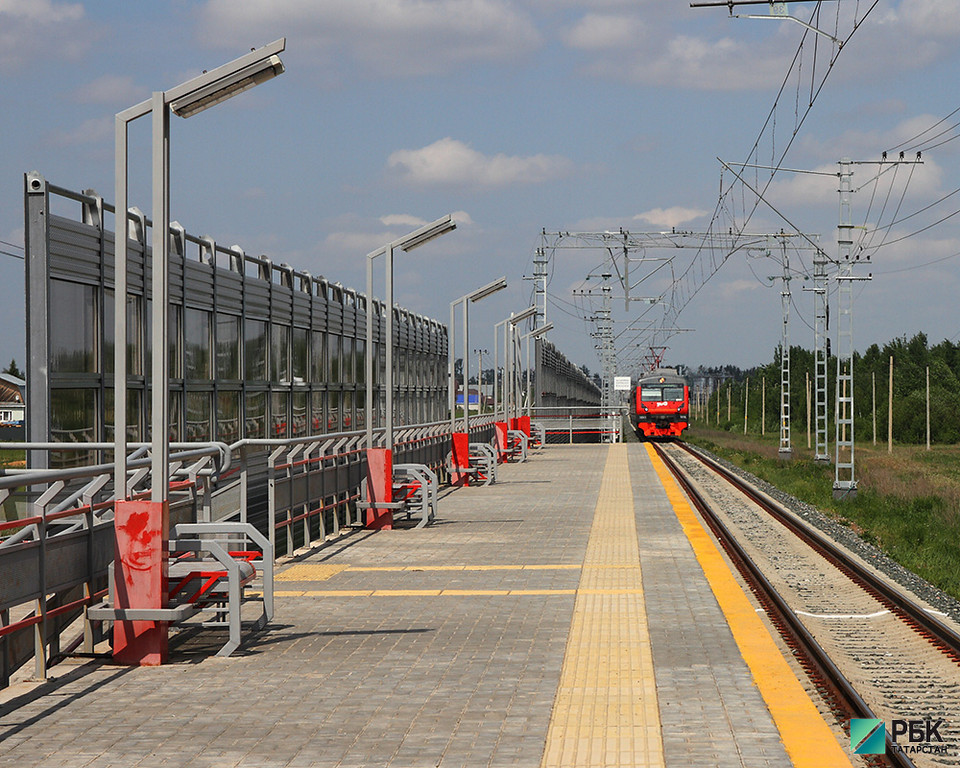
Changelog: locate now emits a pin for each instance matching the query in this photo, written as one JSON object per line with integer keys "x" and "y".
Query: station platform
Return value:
{"x": 570, "y": 615}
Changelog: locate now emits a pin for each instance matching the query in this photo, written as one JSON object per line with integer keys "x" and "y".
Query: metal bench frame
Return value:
{"x": 203, "y": 552}
{"x": 483, "y": 463}
{"x": 415, "y": 492}
{"x": 517, "y": 443}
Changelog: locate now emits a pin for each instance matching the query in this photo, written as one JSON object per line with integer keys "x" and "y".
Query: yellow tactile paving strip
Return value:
{"x": 605, "y": 712}
{"x": 805, "y": 735}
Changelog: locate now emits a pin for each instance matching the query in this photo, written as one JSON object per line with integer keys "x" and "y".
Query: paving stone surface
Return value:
{"x": 428, "y": 666}
{"x": 711, "y": 713}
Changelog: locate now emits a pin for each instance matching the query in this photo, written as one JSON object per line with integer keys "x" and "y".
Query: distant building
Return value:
{"x": 475, "y": 397}
{"x": 12, "y": 400}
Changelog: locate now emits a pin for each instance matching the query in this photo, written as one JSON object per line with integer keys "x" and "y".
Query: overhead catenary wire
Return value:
{"x": 912, "y": 139}
{"x": 721, "y": 207}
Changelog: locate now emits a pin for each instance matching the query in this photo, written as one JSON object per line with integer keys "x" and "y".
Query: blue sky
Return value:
{"x": 516, "y": 115}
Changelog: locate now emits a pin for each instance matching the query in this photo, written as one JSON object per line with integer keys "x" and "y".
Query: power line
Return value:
{"x": 919, "y": 231}
{"x": 912, "y": 267}
{"x": 918, "y": 212}
{"x": 926, "y": 130}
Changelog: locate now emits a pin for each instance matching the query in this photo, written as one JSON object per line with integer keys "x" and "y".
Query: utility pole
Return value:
{"x": 821, "y": 327}
{"x": 604, "y": 342}
{"x": 539, "y": 278}
{"x": 786, "y": 450}
{"x": 845, "y": 482}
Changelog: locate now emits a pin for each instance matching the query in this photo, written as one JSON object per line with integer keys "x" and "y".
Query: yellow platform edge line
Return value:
{"x": 426, "y": 592}
{"x": 606, "y": 712}
{"x": 805, "y": 734}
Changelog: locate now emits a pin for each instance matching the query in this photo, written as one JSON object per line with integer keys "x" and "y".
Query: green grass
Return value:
{"x": 916, "y": 523}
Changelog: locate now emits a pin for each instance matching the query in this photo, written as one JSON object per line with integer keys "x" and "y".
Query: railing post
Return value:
{"x": 40, "y": 628}
{"x": 244, "y": 484}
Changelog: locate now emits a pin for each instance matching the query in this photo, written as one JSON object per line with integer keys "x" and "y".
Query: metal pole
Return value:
{"x": 120, "y": 317}
{"x": 480, "y": 381}
{"x": 160, "y": 372}
{"x": 496, "y": 371}
{"x": 388, "y": 253}
{"x": 529, "y": 383}
{"x": 786, "y": 448}
{"x": 928, "y": 407}
{"x": 821, "y": 451}
{"x": 746, "y": 402}
{"x": 845, "y": 483}
{"x": 507, "y": 383}
{"x": 368, "y": 361}
{"x": 451, "y": 371}
{"x": 890, "y": 410}
{"x": 466, "y": 366}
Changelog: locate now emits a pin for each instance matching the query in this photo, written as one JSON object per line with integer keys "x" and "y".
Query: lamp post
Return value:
{"x": 408, "y": 242}
{"x": 508, "y": 323}
{"x": 480, "y": 354}
{"x": 466, "y": 299}
{"x": 136, "y": 522}
{"x": 536, "y": 333}
{"x": 184, "y": 100}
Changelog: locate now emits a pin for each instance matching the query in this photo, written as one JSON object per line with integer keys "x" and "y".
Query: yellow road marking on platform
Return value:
{"x": 414, "y": 592}
{"x": 310, "y": 572}
{"x": 606, "y": 712}
{"x": 805, "y": 735}
{"x": 399, "y": 568}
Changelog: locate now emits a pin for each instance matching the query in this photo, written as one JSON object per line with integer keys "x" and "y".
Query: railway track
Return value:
{"x": 869, "y": 649}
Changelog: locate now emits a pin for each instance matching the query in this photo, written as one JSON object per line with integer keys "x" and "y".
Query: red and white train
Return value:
{"x": 661, "y": 405}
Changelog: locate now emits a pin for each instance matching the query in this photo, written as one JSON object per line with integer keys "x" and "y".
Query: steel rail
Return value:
{"x": 923, "y": 622}
{"x": 833, "y": 684}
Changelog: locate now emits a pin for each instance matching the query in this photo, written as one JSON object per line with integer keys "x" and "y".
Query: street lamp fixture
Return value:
{"x": 408, "y": 242}
{"x": 226, "y": 85}
{"x": 186, "y": 99}
{"x": 477, "y": 295}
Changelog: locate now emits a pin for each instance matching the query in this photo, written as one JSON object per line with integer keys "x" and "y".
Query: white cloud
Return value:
{"x": 402, "y": 220}
{"x": 41, "y": 11}
{"x": 929, "y": 18}
{"x": 111, "y": 89}
{"x": 451, "y": 162}
{"x": 388, "y": 37}
{"x": 602, "y": 31}
{"x": 670, "y": 217}
{"x": 92, "y": 131}
{"x": 354, "y": 235}
{"x": 640, "y": 45}
{"x": 55, "y": 30}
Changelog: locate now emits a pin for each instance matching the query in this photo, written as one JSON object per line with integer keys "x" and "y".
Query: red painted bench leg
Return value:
{"x": 140, "y": 575}
{"x": 379, "y": 487}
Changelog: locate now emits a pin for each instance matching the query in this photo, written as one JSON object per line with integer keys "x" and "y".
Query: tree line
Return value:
{"x": 911, "y": 359}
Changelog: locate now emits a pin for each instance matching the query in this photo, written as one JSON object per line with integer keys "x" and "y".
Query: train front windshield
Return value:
{"x": 669, "y": 392}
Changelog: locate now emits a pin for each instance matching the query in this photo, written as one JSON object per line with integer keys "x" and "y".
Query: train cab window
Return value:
{"x": 666, "y": 393}
{"x": 674, "y": 392}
